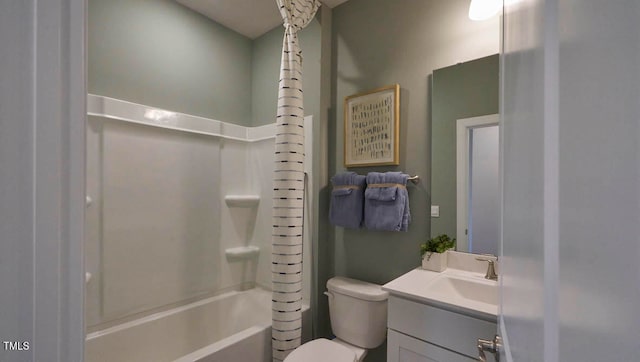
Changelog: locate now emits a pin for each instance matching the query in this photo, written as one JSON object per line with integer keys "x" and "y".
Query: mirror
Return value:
{"x": 464, "y": 141}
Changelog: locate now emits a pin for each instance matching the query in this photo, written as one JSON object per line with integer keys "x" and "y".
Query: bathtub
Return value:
{"x": 234, "y": 326}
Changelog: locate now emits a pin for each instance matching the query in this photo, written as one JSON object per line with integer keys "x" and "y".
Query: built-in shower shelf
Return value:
{"x": 242, "y": 200}
{"x": 241, "y": 252}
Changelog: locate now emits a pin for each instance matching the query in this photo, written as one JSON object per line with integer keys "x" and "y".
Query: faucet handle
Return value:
{"x": 491, "y": 270}
{"x": 490, "y": 260}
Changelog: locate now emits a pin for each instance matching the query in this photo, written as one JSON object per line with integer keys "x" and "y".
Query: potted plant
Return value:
{"x": 433, "y": 252}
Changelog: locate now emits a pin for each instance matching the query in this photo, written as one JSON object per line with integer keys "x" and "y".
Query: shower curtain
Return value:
{"x": 288, "y": 184}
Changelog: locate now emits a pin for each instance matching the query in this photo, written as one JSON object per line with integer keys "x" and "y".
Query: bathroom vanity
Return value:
{"x": 440, "y": 316}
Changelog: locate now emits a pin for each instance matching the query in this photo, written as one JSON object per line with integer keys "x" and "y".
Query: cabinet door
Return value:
{"x": 402, "y": 348}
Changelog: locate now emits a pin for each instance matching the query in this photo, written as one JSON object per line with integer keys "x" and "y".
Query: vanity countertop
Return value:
{"x": 461, "y": 291}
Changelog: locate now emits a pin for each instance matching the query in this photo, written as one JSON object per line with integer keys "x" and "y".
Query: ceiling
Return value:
{"x": 251, "y": 18}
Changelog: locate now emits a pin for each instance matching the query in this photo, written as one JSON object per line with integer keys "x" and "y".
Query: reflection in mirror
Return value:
{"x": 465, "y": 106}
{"x": 477, "y": 177}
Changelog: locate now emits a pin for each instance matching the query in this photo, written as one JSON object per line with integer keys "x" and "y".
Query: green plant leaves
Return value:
{"x": 439, "y": 244}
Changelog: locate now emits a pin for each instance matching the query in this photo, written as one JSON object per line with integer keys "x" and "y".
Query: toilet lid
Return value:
{"x": 321, "y": 350}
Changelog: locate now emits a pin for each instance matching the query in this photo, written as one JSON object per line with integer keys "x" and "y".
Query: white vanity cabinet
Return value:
{"x": 401, "y": 347}
{"x": 438, "y": 317}
{"x": 421, "y": 332}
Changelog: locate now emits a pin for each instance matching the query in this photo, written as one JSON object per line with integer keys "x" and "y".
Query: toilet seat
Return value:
{"x": 321, "y": 350}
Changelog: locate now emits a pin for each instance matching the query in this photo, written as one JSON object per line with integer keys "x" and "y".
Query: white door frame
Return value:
{"x": 60, "y": 118}
{"x": 463, "y": 129}
{"x": 42, "y": 272}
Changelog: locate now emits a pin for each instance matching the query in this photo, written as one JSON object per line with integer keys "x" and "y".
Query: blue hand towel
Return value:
{"x": 386, "y": 204}
{"x": 347, "y": 200}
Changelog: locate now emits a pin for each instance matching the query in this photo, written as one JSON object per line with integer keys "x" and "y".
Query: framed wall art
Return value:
{"x": 372, "y": 128}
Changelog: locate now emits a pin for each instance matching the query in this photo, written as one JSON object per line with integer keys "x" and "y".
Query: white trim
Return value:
{"x": 463, "y": 126}
{"x": 505, "y": 352}
{"x": 309, "y": 212}
{"x": 551, "y": 170}
{"x": 119, "y": 110}
{"x": 59, "y": 120}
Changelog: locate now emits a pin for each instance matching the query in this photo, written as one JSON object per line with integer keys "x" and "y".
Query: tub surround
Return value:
{"x": 242, "y": 200}
{"x": 118, "y": 109}
{"x": 191, "y": 150}
{"x": 168, "y": 247}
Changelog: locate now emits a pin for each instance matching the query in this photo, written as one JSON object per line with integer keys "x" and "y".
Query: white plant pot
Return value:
{"x": 435, "y": 262}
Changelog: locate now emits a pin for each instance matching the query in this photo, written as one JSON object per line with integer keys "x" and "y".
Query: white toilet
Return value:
{"x": 358, "y": 313}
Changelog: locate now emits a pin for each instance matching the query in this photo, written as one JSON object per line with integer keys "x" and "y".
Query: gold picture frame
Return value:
{"x": 372, "y": 128}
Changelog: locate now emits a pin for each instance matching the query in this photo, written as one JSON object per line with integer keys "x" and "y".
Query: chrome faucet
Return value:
{"x": 491, "y": 269}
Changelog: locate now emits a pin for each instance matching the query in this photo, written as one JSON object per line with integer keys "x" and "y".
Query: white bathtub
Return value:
{"x": 234, "y": 326}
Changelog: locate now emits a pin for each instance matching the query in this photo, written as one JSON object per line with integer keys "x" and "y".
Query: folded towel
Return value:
{"x": 386, "y": 204}
{"x": 347, "y": 200}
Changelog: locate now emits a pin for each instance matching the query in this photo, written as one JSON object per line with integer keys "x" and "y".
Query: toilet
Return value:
{"x": 358, "y": 313}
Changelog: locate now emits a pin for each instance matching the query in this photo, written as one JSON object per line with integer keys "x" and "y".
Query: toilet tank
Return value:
{"x": 358, "y": 311}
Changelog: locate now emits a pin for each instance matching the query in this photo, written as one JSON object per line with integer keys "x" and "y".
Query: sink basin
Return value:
{"x": 475, "y": 290}
{"x": 457, "y": 290}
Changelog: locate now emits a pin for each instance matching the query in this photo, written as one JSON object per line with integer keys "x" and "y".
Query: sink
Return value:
{"x": 457, "y": 290}
{"x": 475, "y": 290}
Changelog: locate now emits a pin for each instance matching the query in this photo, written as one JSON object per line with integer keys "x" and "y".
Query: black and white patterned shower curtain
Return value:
{"x": 288, "y": 184}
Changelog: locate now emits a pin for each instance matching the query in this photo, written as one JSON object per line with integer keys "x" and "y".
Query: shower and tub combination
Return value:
{"x": 178, "y": 236}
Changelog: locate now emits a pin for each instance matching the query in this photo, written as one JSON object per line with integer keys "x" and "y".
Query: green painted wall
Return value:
{"x": 460, "y": 91}
{"x": 265, "y": 66}
{"x": 162, "y": 54}
{"x": 412, "y": 43}
{"x": 377, "y": 43}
